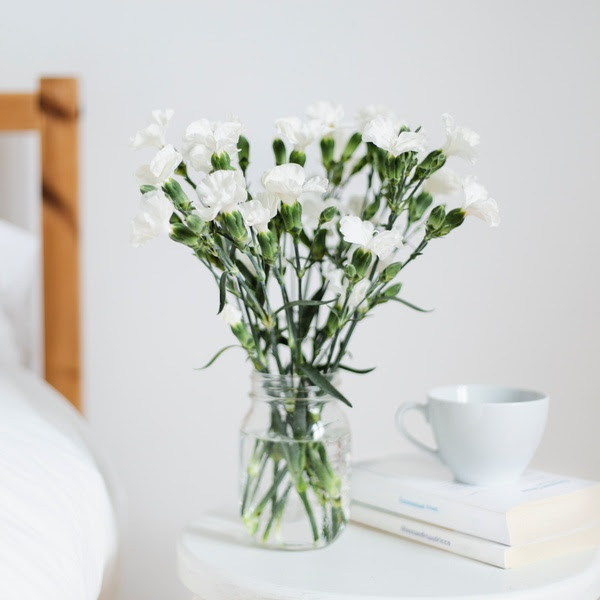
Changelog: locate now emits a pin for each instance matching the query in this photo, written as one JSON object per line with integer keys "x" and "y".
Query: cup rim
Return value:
{"x": 534, "y": 395}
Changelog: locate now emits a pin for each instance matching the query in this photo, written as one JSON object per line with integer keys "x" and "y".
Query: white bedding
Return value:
{"x": 58, "y": 533}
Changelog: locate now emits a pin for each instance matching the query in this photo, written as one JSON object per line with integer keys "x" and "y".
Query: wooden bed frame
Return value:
{"x": 53, "y": 112}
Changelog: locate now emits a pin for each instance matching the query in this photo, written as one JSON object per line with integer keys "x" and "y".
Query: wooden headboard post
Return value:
{"x": 60, "y": 220}
{"x": 53, "y": 112}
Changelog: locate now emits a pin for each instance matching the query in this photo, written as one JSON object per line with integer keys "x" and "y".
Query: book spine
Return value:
{"x": 385, "y": 493}
{"x": 431, "y": 535}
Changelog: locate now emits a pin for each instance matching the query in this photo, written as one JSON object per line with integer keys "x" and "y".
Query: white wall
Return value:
{"x": 518, "y": 304}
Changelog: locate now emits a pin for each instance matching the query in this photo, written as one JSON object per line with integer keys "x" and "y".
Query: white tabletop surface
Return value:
{"x": 216, "y": 561}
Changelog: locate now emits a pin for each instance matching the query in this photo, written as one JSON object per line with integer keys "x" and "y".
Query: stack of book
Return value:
{"x": 539, "y": 517}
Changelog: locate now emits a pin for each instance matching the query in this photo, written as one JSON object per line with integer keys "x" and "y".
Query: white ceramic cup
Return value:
{"x": 485, "y": 434}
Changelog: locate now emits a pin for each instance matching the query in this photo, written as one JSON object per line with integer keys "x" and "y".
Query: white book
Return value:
{"x": 540, "y": 505}
{"x": 493, "y": 553}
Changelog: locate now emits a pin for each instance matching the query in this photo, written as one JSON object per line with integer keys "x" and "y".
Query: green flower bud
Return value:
{"x": 434, "y": 161}
{"x": 243, "y": 153}
{"x": 332, "y": 324}
{"x": 328, "y": 214}
{"x": 279, "y": 151}
{"x": 182, "y": 234}
{"x": 292, "y": 217}
{"x": 390, "y": 272}
{"x": 172, "y": 189}
{"x": 435, "y": 221}
{"x": 195, "y": 223}
{"x": 243, "y": 335}
{"x": 319, "y": 245}
{"x": 350, "y": 272}
{"x": 221, "y": 162}
{"x": 351, "y": 146}
{"x": 337, "y": 173}
{"x": 389, "y": 167}
{"x": 418, "y": 205}
{"x": 297, "y": 157}
{"x": 361, "y": 259}
{"x": 392, "y": 291}
{"x": 453, "y": 220}
{"x": 268, "y": 246}
{"x": 360, "y": 165}
{"x": 144, "y": 189}
{"x": 234, "y": 225}
{"x": 327, "y": 146}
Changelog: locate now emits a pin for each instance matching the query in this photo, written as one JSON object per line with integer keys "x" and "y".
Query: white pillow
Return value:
{"x": 58, "y": 536}
{"x": 19, "y": 252}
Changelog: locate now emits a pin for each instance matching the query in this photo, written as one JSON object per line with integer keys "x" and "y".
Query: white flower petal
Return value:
{"x": 231, "y": 315}
{"x": 385, "y": 243}
{"x": 317, "y": 185}
{"x": 220, "y": 192}
{"x": 285, "y": 181}
{"x": 368, "y": 113}
{"x": 203, "y": 138}
{"x": 478, "y": 203}
{"x": 443, "y": 181}
{"x": 356, "y": 231}
{"x": 328, "y": 114}
{"x": 409, "y": 141}
{"x": 152, "y": 219}
{"x": 255, "y": 214}
{"x": 161, "y": 167}
{"x": 153, "y": 134}
{"x": 294, "y": 131}
{"x": 460, "y": 141}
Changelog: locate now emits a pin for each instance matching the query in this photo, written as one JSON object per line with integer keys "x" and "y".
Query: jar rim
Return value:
{"x": 273, "y": 387}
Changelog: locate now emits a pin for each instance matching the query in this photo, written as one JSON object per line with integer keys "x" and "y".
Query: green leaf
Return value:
{"x": 322, "y": 382}
{"x": 222, "y": 292}
{"x": 359, "y": 371}
{"x": 214, "y": 358}
{"x": 410, "y": 305}
{"x": 303, "y": 303}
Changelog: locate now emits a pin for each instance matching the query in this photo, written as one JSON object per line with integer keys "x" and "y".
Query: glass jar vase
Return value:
{"x": 294, "y": 464}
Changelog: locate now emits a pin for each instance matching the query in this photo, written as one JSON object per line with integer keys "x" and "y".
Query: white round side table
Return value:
{"x": 216, "y": 561}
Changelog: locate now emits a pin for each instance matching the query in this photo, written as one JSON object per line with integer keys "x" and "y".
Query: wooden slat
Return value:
{"x": 19, "y": 112}
{"x": 60, "y": 219}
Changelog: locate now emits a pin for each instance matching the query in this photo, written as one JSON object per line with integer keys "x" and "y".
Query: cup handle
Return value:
{"x": 422, "y": 408}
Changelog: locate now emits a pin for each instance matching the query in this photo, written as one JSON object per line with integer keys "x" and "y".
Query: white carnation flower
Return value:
{"x": 460, "y": 141}
{"x": 152, "y": 219}
{"x": 153, "y": 135}
{"x": 385, "y": 243}
{"x": 477, "y": 202}
{"x": 443, "y": 181}
{"x": 161, "y": 167}
{"x": 357, "y": 231}
{"x": 288, "y": 182}
{"x": 385, "y": 133}
{"x": 298, "y": 133}
{"x": 220, "y": 192}
{"x": 368, "y": 113}
{"x": 255, "y": 214}
{"x": 204, "y": 138}
{"x": 363, "y": 234}
{"x": 231, "y": 315}
{"x": 328, "y": 114}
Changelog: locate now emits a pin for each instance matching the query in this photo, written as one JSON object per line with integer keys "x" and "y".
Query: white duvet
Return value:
{"x": 58, "y": 534}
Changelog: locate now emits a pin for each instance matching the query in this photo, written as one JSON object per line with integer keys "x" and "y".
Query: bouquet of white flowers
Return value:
{"x": 300, "y": 262}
